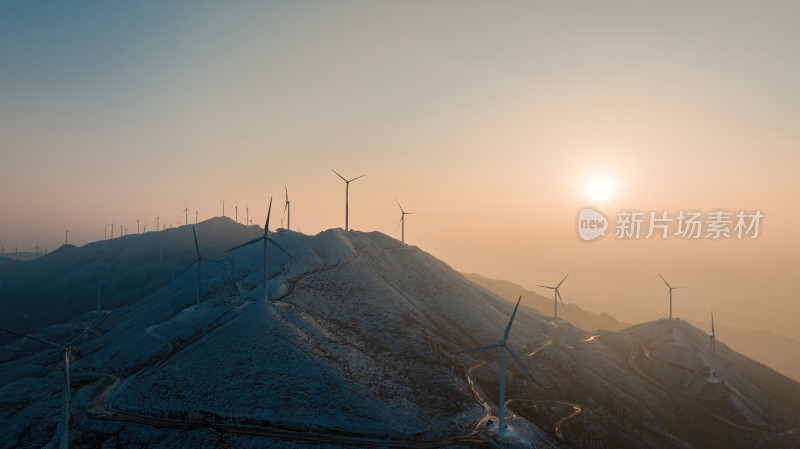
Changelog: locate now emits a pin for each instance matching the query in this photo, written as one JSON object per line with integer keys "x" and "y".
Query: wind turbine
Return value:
{"x": 199, "y": 263}
{"x": 186, "y": 215}
{"x": 670, "y": 294}
{"x": 63, "y": 427}
{"x": 195, "y": 216}
{"x": 556, "y": 296}
{"x": 266, "y": 240}
{"x": 137, "y": 225}
{"x": 223, "y": 207}
{"x": 246, "y": 215}
{"x": 347, "y": 199}
{"x": 66, "y": 237}
{"x": 112, "y": 229}
{"x": 236, "y": 208}
{"x": 287, "y": 210}
{"x": 713, "y": 337}
{"x": 158, "y": 226}
{"x": 501, "y": 412}
{"x": 402, "y": 220}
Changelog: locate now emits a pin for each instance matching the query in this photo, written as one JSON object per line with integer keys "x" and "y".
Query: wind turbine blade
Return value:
{"x": 196, "y": 246}
{"x": 511, "y": 321}
{"x": 287, "y": 193}
{"x": 337, "y": 174}
{"x": 516, "y": 357}
{"x": 544, "y": 286}
{"x": 88, "y": 328}
{"x": 357, "y": 178}
{"x": 481, "y": 348}
{"x": 257, "y": 239}
{"x": 269, "y": 211}
{"x": 398, "y": 205}
{"x": 280, "y": 248}
{"x": 55, "y": 345}
{"x": 665, "y": 281}
{"x": 559, "y": 297}
{"x": 562, "y": 281}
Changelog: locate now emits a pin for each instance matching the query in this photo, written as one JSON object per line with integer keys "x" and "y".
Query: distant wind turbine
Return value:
{"x": 246, "y": 215}
{"x": 713, "y": 337}
{"x": 223, "y": 207}
{"x": 287, "y": 210}
{"x": 186, "y": 215}
{"x": 199, "y": 262}
{"x": 501, "y": 412}
{"x": 196, "y": 212}
{"x": 66, "y": 237}
{"x": 236, "y": 208}
{"x": 63, "y": 427}
{"x": 402, "y": 220}
{"x": 112, "y": 229}
{"x": 347, "y": 199}
{"x": 158, "y": 226}
{"x": 670, "y": 294}
{"x": 266, "y": 240}
{"x": 556, "y": 296}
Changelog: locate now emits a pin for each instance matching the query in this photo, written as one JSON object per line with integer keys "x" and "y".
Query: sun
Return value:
{"x": 599, "y": 189}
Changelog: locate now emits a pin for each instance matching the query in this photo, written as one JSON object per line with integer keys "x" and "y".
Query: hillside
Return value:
{"x": 62, "y": 285}
{"x": 360, "y": 346}
{"x": 569, "y": 312}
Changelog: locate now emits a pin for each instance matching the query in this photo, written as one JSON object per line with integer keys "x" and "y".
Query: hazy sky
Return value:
{"x": 489, "y": 119}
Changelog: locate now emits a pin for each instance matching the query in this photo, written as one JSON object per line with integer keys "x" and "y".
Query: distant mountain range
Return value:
{"x": 569, "y": 311}
{"x": 361, "y": 345}
{"x": 780, "y": 352}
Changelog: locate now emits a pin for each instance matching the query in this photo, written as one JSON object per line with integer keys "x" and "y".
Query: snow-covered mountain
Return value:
{"x": 63, "y": 284}
{"x": 359, "y": 346}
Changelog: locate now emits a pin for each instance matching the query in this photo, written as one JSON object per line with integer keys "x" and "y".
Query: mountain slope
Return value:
{"x": 63, "y": 284}
{"x": 568, "y": 311}
{"x": 360, "y": 346}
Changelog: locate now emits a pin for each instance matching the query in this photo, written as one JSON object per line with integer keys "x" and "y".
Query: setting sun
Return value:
{"x": 599, "y": 189}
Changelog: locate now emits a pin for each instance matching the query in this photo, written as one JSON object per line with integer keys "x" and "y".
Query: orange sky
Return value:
{"x": 486, "y": 119}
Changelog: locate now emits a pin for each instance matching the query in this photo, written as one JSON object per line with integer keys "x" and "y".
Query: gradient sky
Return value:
{"x": 486, "y": 118}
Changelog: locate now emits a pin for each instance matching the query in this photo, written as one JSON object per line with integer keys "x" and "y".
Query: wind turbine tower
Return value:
{"x": 266, "y": 240}
{"x": 223, "y": 207}
{"x": 347, "y": 199}
{"x": 186, "y": 215}
{"x": 501, "y": 409}
{"x": 66, "y": 237}
{"x": 670, "y": 294}
{"x": 66, "y": 394}
{"x": 556, "y": 297}
{"x": 713, "y": 338}
{"x": 287, "y": 210}
{"x": 402, "y": 221}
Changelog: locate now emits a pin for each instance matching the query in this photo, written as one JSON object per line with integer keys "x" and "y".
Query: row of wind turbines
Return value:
{"x": 503, "y": 344}
{"x": 142, "y": 227}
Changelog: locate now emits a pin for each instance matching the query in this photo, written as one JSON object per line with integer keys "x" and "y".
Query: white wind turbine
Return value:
{"x": 556, "y": 297}
{"x": 713, "y": 337}
{"x": 670, "y": 294}
{"x": 63, "y": 425}
{"x": 501, "y": 412}
{"x": 288, "y": 210}
{"x": 266, "y": 240}
{"x": 402, "y": 221}
{"x": 199, "y": 262}
{"x": 347, "y": 199}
